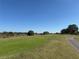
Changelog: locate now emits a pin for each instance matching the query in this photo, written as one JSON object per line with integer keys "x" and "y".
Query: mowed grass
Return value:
{"x": 38, "y": 47}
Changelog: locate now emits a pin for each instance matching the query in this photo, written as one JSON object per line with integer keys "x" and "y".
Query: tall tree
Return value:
{"x": 64, "y": 31}
{"x": 72, "y": 29}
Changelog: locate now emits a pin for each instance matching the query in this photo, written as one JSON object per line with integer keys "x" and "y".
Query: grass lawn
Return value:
{"x": 37, "y": 47}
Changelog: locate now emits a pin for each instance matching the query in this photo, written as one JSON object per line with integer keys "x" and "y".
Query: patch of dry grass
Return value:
{"x": 77, "y": 37}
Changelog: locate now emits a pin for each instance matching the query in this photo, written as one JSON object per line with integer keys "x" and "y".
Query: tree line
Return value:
{"x": 29, "y": 33}
{"x": 71, "y": 29}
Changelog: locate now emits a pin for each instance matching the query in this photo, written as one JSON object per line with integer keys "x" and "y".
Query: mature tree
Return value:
{"x": 63, "y": 31}
{"x": 72, "y": 29}
{"x": 30, "y": 33}
{"x": 45, "y": 32}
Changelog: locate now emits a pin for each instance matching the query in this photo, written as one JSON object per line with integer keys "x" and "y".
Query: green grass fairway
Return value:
{"x": 37, "y": 47}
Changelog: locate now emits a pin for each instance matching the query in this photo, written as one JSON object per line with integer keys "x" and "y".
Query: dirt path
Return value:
{"x": 74, "y": 43}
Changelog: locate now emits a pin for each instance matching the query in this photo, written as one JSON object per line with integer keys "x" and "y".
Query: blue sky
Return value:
{"x": 38, "y": 15}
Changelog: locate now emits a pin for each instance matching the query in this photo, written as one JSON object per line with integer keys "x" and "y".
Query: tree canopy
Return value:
{"x": 71, "y": 29}
{"x": 45, "y": 32}
{"x": 30, "y": 33}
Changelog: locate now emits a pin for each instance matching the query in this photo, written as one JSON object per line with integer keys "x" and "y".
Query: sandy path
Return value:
{"x": 74, "y": 43}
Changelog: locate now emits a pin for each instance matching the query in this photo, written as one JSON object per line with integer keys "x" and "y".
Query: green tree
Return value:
{"x": 45, "y": 32}
{"x": 72, "y": 29}
{"x": 30, "y": 33}
{"x": 63, "y": 31}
